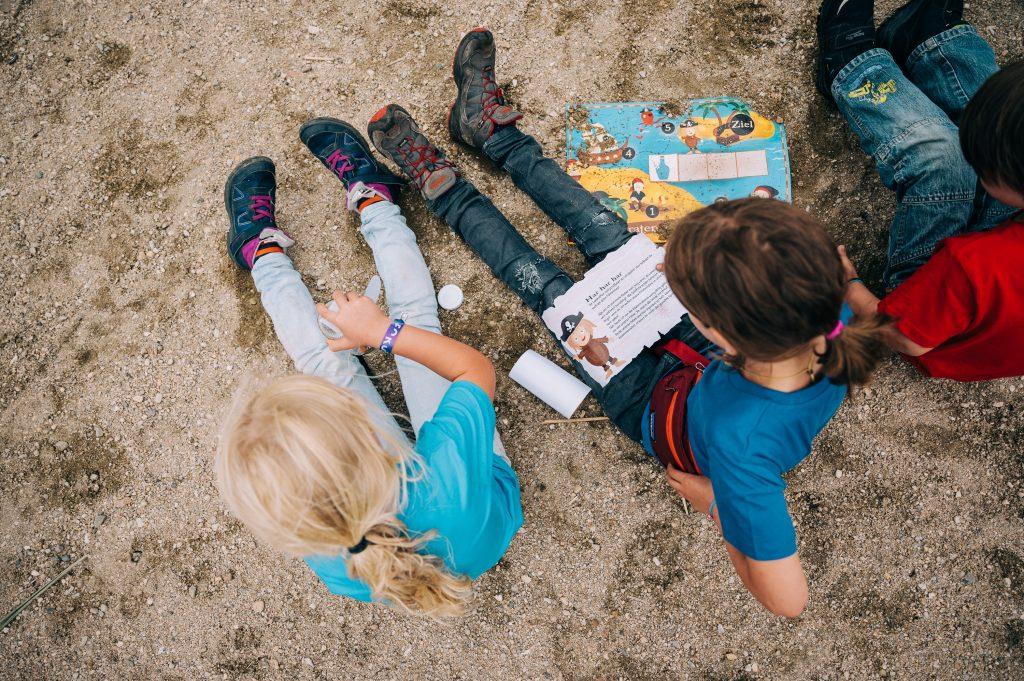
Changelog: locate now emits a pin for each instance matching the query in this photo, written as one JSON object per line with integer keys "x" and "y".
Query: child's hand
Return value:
{"x": 361, "y": 322}
{"x": 848, "y": 268}
{"x": 694, "y": 488}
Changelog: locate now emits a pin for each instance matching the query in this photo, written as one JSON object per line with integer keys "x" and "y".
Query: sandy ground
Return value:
{"x": 128, "y": 330}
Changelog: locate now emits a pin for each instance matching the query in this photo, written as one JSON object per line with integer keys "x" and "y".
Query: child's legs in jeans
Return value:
{"x": 596, "y": 230}
{"x": 538, "y": 281}
{"x": 535, "y": 279}
{"x": 410, "y": 296}
{"x": 291, "y": 308}
{"x": 917, "y": 152}
{"x": 951, "y": 66}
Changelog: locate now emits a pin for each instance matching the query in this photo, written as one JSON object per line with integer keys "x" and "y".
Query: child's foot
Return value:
{"x": 249, "y": 196}
{"x": 846, "y": 29}
{"x": 346, "y": 154}
{"x": 396, "y": 135}
{"x": 915, "y": 22}
{"x": 480, "y": 107}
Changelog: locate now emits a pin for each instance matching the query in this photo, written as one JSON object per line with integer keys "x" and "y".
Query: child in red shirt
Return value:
{"x": 955, "y": 266}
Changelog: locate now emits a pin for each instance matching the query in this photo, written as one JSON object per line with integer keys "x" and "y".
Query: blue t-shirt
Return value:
{"x": 465, "y": 492}
{"x": 744, "y": 437}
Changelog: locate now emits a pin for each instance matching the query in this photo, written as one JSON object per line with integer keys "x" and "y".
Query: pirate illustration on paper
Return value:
{"x": 690, "y": 136}
{"x": 578, "y": 334}
{"x": 636, "y": 196}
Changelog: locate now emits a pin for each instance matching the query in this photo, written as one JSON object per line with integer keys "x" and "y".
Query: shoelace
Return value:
{"x": 425, "y": 154}
{"x": 261, "y": 206}
{"x": 493, "y": 96}
{"x": 340, "y": 163}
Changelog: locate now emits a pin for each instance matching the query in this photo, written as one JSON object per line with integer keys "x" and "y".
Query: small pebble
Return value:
{"x": 257, "y": 607}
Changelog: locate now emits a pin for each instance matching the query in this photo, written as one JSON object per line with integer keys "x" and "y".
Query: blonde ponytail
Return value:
{"x": 302, "y": 464}
{"x": 852, "y": 355}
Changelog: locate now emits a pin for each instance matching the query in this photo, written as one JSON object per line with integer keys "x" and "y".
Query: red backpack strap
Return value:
{"x": 684, "y": 352}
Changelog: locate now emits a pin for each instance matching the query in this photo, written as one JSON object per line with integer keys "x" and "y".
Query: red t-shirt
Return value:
{"x": 967, "y": 302}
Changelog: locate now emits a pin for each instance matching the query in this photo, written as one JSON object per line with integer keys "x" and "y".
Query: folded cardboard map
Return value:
{"x": 653, "y": 162}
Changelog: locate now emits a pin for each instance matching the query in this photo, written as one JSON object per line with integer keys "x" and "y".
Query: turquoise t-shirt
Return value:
{"x": 744, "y": 437}
{"x": 465, "y": 492}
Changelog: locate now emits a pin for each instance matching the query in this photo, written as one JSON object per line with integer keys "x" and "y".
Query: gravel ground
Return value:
{"x": 128, "y": 330}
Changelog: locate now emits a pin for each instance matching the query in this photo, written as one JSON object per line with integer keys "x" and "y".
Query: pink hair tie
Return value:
{"x": 834, "y": 333}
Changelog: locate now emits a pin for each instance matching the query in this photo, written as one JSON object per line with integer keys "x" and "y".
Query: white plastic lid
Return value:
{"x": 450, "y": 297}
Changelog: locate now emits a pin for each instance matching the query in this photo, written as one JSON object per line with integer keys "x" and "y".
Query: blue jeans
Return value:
{"x": 410, "y": 296}
{"x": 538, "y": 281}
{"x": 908, "y": 124}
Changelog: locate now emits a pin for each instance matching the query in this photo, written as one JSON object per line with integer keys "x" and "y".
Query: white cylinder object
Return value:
{"x": 552, "y": 384}
{"x": 450, "y": 297}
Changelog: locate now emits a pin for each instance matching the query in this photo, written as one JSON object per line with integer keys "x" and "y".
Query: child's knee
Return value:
{"x": 320, "y": 360}
{"x": 935, "y": 155}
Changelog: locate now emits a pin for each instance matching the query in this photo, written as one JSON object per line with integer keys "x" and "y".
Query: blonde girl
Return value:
{"x": 316, "y": 466}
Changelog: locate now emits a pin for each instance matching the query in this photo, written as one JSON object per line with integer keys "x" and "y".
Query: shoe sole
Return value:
{"x": 457, "y": 75}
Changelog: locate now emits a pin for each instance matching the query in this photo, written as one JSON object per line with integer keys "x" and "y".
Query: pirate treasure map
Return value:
{"x": 622, "y": 305}
{"x": 653, "y": 162}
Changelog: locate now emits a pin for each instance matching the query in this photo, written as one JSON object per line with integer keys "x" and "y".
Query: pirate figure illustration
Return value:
{"x": 764, "y": 192}
{"x": 636, "y": 196}
{"x": 578, "y": 334}
{"x": 690, "y": 135}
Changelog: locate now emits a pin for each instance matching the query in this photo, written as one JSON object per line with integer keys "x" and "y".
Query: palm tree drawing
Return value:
{"x": 706, "y": 108}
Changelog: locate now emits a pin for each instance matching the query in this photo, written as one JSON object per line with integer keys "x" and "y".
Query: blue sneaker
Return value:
{"x": 249, "y": 196}
{"x": 345, "y": 153}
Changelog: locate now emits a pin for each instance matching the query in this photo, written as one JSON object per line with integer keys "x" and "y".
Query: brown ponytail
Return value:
{"x": 767, "y": 276}
{"x": 853, "y": 354}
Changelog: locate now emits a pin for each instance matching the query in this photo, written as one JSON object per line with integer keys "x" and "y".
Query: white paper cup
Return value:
{"x": 552, "y": 384}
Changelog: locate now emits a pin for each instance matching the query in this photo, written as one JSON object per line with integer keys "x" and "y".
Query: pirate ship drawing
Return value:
{"x": 600, "y": 147}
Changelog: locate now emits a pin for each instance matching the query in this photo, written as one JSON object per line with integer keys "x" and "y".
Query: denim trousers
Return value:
{"x": 907, "y": 121}
{"x": 410, "y": 296}
{"x": 538, "y": 281}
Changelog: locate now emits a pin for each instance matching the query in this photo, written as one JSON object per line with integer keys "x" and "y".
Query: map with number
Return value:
{"x": 653, "y": 162}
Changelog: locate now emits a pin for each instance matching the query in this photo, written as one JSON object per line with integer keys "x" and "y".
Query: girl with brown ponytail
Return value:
{"x": 764, "y": 282}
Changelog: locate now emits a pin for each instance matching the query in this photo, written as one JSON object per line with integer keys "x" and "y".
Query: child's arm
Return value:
{"x": 362, "y": 323}
{"x": 864, "y": 304}
{"x": 778, "y": 585}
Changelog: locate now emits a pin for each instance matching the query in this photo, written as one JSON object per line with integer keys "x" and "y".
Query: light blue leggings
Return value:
{"x": 410, "y": 296}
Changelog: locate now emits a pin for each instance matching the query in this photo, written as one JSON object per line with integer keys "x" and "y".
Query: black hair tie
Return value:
{"x": 360, "y": 547}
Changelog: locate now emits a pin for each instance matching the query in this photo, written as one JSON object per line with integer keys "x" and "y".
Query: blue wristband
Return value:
{"x": 388, "y": 343}
{"x": 711, "y": 510}
{"x": 852, "y": 280}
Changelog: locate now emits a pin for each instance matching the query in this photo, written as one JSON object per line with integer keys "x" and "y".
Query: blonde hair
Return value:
{"x": 303, "y": 465}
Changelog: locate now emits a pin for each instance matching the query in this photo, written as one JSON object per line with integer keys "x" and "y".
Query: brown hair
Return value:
{"x": 992, "y": 128}
{"x": 766, "y": 276}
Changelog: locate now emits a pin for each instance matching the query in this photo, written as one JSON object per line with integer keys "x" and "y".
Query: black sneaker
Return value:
{"x": 249, "y": 195}
{"x": 345, "y": 153}
{"x": 846, "y": 29}
{"x": 396, "y": 135}
{"x": 480, "y": 107}
{"x": 915, "y": 22}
